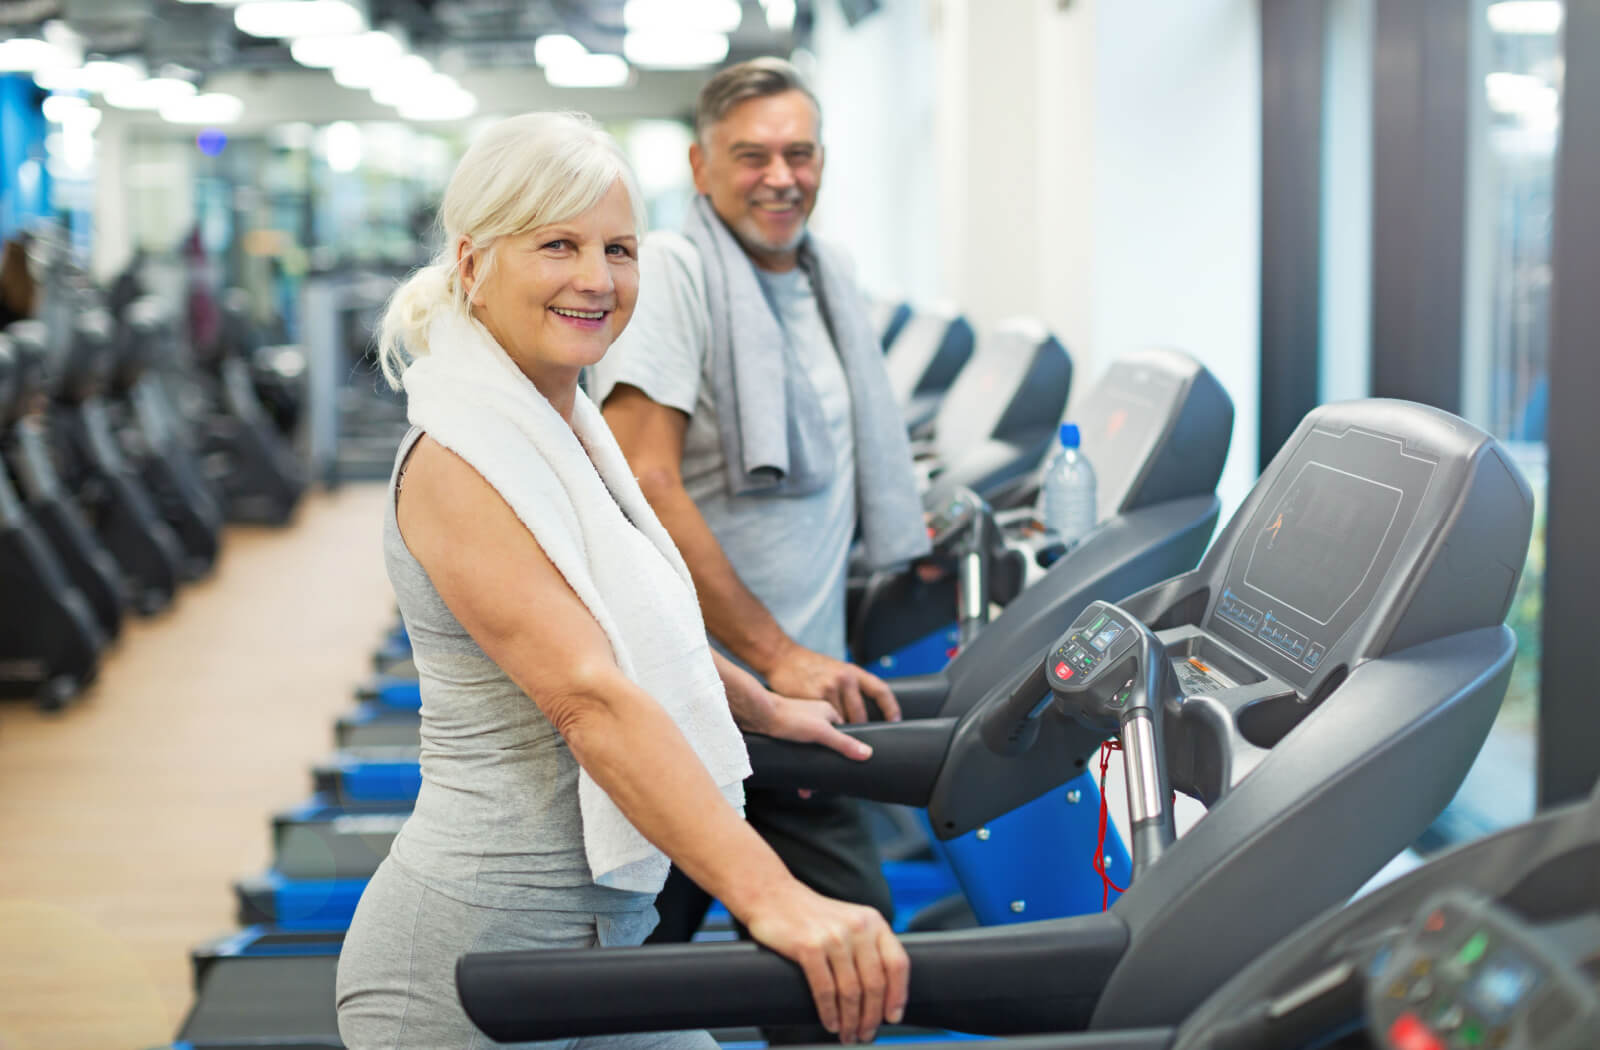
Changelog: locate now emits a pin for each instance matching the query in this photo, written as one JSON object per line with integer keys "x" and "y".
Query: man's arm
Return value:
{"x": 651, "y": 436}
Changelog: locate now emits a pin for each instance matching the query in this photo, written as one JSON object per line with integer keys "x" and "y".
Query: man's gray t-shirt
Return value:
{"x": 792, "y": 552}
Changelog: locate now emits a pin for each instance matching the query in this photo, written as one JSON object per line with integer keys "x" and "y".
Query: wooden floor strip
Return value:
{"x": 125, "y": 818}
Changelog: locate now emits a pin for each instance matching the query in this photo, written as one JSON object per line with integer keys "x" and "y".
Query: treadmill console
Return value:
{"x": 1313, "y": 556}
{"x": 948, "y": 512}
{"x": 1094, "y": 640}
{"x": 1467, "y": 974}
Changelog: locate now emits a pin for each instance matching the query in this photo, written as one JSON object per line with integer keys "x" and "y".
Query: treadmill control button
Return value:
{"x": 1408, "y": 1033}
{"x": 1421, "y": 989}
{"x": 1063, "y": 672}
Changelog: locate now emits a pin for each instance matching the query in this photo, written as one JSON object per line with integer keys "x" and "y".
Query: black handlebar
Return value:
{"x": 905, "y": 762}
{"x": 1038, "y": 977}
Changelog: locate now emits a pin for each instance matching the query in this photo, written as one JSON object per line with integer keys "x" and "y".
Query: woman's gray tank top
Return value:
{"x": 496, "y": 822}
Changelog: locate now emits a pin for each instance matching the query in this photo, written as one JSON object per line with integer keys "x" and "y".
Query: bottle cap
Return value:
{"x": 1069, "y": 435}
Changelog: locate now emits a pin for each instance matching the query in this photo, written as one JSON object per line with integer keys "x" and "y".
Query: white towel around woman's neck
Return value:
{"x": 571, "y": 486}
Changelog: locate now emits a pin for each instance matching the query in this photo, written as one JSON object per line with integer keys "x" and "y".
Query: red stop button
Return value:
{"x": 1062, "y": 670}
{"x": 1408, "y": 1033}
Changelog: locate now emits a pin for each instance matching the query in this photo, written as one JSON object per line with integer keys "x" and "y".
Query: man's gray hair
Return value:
{"x": 757, "y": 78}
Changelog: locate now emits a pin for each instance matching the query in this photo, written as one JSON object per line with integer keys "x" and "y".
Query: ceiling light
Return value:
{"x": 96, "y": 77}
{"x": 456, "y": 105}
{"x": 780, "y": 15}
{"x": 675, "y": 49}
{"x": 557, "y": 47}
{"x": 395, "y": 84}
{"x": 318, "y": 52}
{"x": 708, "y": 16}
{"x": 297, "y": 18}
{"x": 361, "y": 59}
{"x": 149, "y": 94}
{"x": 1541, "y": 17}
{"x": 24, "y": 54}
{"x": 588, "y": 71}
{"x": 211, "y": 108}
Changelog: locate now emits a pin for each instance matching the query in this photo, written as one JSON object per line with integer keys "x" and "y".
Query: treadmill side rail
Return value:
{"x": 1010, "y": 980}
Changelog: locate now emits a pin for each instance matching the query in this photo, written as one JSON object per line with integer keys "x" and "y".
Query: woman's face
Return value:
{"x": 558, "y": 296}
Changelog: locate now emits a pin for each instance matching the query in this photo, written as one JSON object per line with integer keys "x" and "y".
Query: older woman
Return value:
{"x": 577, "y": 730}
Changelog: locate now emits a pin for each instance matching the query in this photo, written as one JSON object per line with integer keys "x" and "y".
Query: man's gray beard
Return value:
{"x": 757, "y": 248}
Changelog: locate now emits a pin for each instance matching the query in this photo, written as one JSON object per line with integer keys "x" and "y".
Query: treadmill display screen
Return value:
{"x": 1323, "y": 540}
{"x": 1318, "y": 547}
{"x": 1120, "y": 424}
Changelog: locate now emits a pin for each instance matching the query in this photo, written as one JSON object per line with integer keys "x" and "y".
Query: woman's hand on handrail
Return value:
{"x": 857, "y": 969}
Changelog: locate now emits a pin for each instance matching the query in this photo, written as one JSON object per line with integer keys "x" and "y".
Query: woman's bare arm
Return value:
{"x": 497, "y": 581}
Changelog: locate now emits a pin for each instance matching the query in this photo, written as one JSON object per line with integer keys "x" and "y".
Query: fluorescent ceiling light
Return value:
{"x": 24, "y": 54}
{"x": 1528, "y": 17}
{"x": 297, "y": 18}
{"x": 96, "y": 77}
{"x": 319, "y": 52}
{"x": 361, "y": 59}
{"x": 589, "y": 71}
{"x": 780, "y": 15}
{"x": 149, "y": 94}
{"x": 707, "y": 16}
{"x": 211, "y": 108}
{"x": 675, "y": 49}
{"x": 456, "y": 105}
{"x": 557, "y": 47}
{"x": 399, "y": 78}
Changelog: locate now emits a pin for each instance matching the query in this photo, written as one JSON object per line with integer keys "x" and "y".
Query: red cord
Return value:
{"x": 1106, "y": 885}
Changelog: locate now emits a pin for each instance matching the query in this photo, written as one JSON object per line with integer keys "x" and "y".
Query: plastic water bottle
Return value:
{"x": 1068, "y": 497}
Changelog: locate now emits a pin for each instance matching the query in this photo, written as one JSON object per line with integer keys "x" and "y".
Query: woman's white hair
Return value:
{"x": 519, "y": 174}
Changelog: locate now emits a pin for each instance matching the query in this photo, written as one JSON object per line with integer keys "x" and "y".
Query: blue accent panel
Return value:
{"x": 395, "y": 648}
{"x": 923, "y": 656}
{"x": 404, "y": 694}
{"x": 369, "y": 711}
{"x": 1041, "y": 854}
{"x": 23, "y": 197}
{"x": 252, "y": 942}
{"x": 381, "y": 781}
{"x": 314, "y": 904}
{"x": 917, "y": 884}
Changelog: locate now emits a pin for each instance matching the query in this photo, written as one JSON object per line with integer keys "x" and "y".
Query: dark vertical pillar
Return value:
{"x": 1420, "y": 107}
{"x": 1569, "y": 713}
{"x": 1292, "y": 34}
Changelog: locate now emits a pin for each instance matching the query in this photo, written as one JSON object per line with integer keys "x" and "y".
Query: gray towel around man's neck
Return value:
{"x": 774, "y": 436}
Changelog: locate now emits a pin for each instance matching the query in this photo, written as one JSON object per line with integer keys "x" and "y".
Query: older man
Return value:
{"x": 749, "y": 394}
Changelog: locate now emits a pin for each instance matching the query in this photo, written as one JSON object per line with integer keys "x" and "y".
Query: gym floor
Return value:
{"x": 125, "y": 819}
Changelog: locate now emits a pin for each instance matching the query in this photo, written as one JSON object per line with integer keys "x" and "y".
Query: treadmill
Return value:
{"x": 1156, "y": 427}
{"x": 1495, "y": 944}
{"x": 1321, "y": 683}
{"x": 1162, "y": 424}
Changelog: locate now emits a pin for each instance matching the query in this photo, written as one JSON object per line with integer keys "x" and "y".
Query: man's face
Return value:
{"x": 760, "y": 165}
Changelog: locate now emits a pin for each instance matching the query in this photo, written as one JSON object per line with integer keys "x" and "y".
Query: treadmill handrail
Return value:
{"x": 1025, "y": 977}
{"x": 905, "y": 762}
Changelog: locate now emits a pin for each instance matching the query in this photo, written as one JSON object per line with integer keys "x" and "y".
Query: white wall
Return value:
{"x": 877, "y": 84}
{"x": 1175, "y": 208}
